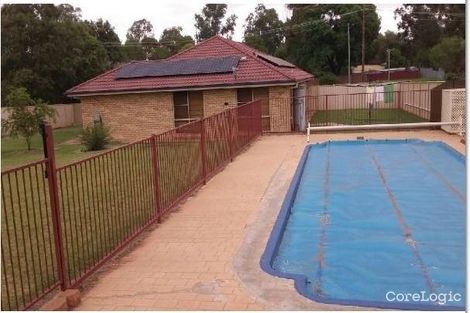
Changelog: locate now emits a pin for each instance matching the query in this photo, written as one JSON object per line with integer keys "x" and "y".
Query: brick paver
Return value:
{"x": 186, "y": 262}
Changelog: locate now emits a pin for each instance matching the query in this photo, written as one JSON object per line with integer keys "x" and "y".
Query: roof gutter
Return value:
{"x": 143, "y": 91}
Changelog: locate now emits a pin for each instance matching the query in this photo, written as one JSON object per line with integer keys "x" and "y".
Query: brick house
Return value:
{"x": 149, "y": 97}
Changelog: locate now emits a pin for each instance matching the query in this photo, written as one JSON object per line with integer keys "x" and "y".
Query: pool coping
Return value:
{"x": 300, "y": 281}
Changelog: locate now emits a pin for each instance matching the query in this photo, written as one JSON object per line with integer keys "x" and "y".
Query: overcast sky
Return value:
{"x": 163, "y": 14}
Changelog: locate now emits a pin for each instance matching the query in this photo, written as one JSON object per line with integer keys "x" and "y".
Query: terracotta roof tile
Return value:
{"x": 251, "y": 71}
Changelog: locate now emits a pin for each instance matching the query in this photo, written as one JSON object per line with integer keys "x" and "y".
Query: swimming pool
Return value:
{"x": 376, "y": 223}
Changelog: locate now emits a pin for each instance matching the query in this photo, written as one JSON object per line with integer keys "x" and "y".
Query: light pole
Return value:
{"x": 388, "y": 53}
{"x": 349, "y": 57}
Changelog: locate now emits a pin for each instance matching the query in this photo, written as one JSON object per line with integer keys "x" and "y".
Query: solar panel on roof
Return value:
{"x": 179, "y": 67}
{"x": 274, "y": 60}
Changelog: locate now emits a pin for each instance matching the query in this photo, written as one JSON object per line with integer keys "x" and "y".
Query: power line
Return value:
{"x": 292, "y": 27}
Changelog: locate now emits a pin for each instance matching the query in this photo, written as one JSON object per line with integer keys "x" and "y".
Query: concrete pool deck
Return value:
{"x": 205, "y": 256}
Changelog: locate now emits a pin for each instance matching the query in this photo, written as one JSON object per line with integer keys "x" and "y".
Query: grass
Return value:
{"x": 67, "y": 148}
{"x": 102, "y": 201}
{"x": 29, "y": 264}
{"x": 361, "y": 116}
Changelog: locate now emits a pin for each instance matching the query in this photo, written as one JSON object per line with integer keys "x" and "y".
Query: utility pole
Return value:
{"x": 388, "y": 52}
{"x": 349, "y": 57}
{"x": 363, "y": 40}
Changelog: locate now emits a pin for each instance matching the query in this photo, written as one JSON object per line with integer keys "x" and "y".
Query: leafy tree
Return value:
{"x": 209, "y": 22}
{"x": 47, "y": 49}
{"x": 133, "y": 50}
{"x": 139, "y": 30}
{"x": 393, "y": 41}
{"x": 24, "y": 120}
{"x": 173, "y": 41}
{"x": 256, "y": 42}
{"x": 141, "y": 43}
{"x": 316, "y": 35}
{"x": 263, "y": 30}
{"x": 451, "y": 18}
{"x": 423, "y": 26}
{"x": 396, "y": 58}
{"x": 449, "y": 54}
{"x": 149, "y": 45}
{"x": 104, "y": 32}
{"x": 186, "y": 46}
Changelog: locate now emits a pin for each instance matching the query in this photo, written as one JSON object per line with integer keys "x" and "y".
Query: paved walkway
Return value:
{"x": 205, "y": 255}
{"x": 186, "y": 263}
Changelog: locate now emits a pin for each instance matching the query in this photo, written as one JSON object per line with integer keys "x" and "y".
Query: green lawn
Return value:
{"x": 361, "y": 116}
{"x": 67, "y": 148}
{"x": 102, "y": 203}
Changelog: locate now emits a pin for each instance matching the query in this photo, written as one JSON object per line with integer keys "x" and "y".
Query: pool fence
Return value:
{"x": 61, "y": 223}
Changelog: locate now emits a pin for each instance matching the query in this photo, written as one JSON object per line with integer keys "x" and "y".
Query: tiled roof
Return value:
{"x": 251, "y": 71}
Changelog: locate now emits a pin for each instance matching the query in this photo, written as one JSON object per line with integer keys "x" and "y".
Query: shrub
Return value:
{"x": 26, "y": 114}
{"x": 327, "y": 79}
{"x": 95, "y": 137}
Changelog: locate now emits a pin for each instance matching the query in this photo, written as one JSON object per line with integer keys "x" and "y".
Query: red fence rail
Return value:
{"x": 61, "y": 224}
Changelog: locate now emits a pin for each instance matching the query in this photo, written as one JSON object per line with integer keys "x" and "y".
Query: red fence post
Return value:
{"x": 230, "y": 133}
{"x": 156, "y": 187}
{"x": 260, "y": 119}
{"x": 252, "y": 127}
{"x": 203, "y": 152}
{"x": 54, "y": 199}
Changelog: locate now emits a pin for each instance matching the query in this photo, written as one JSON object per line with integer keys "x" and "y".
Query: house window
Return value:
{"x": 188, "y": 106}
{"x": 244, "y": 95}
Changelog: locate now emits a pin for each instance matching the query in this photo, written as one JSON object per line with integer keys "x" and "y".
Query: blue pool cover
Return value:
{"x": 376, "y": 223}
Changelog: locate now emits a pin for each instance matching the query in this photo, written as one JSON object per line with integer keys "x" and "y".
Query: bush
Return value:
{"x": 26, "y": 114}
{"x": 327, "y": 79}
{"x": 95, "y": 137}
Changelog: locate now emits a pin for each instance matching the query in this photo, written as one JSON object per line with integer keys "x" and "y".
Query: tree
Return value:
{"x": 186, "y": 46}
{"x": 173, "y": 41}
{"x": 264, "y": 30}
{"x": 449, "y": 54}
{"x": 396, "y": 58}
{"x": 316, "y": 36}
{"x": 420, "y": 31}
{"x": 47, "y": 49}
{"x": 139, "y": 30}
{"x": 104, "y": 32}
{"x": 149, "y": 45}
{"x": 133, "y": 50}
{"x": 23, "y": 120}
{"x": 423, "y": 26}
{"x": 394, "y": 42}
{"x": 140, "y": 41}
{"x": 209, "y": 22}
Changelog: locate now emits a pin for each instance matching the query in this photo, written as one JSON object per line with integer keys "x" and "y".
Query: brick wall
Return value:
{"x": 280, "y": 108}
{"x": 133, "y": 116}
{"x": 136, "y": 116}
{"x": 214, "y": 100}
